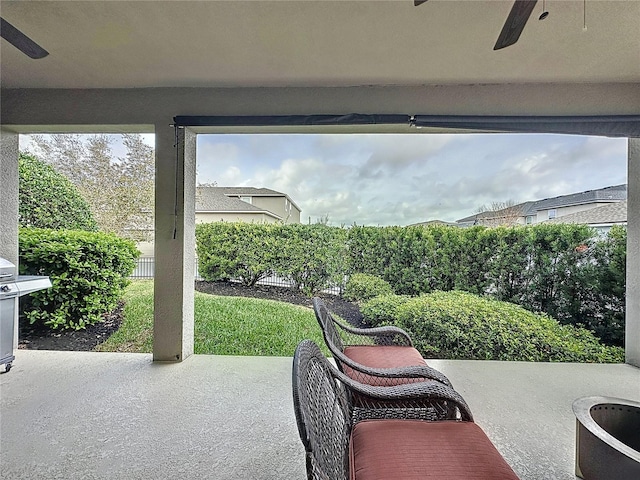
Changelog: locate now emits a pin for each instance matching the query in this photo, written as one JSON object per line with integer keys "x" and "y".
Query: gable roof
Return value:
{"x": 612, "y": 213}
{"x": 252, "y": 192}
{"x": 213, "y": 199}
{"x": 615, "y": 193}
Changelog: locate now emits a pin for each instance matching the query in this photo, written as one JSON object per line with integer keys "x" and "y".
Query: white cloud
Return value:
{"x": 403, "y": 179}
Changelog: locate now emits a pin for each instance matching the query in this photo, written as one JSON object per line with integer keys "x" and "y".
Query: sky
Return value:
{"x": 385, "y": 179}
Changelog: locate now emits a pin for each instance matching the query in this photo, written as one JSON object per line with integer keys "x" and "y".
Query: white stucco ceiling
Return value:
{"x": 119, "y": 44}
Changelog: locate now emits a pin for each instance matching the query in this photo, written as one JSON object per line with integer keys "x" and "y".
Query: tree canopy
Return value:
{"x": 119, "y": 189}
{"x": 48, "y": 199}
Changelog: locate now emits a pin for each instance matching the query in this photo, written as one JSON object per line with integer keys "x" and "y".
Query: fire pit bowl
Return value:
{"x": 607, "y": 438}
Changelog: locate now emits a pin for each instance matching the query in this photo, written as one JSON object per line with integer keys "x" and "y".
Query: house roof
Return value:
{"x": 612, "y": 194}
{"x": 214, "y": 199}
{"x": 254, "y": 192}
{"x": 434, "y": 222}
{"x": 615, "y": 193}
{"x": 521, "y": 208}
{"x": 612, "y": 213}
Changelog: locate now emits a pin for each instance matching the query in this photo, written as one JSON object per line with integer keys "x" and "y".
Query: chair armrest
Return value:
{"x": 396, "y": 335}
{"x": 414, "y": 371}
{"x": 409, "y": 400}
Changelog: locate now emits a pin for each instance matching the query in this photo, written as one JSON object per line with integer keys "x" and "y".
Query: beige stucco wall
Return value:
{"x": 146, "y": 249}
{"x": 277, "y": 205}
{"x": 9, "y": 184}
{"x": 9, "y": 196}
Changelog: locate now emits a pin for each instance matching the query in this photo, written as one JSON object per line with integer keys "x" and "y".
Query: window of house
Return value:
{"x": 552, "y": 213}
{"x": 529, "y": 219}
{"x": 246, "y": 199}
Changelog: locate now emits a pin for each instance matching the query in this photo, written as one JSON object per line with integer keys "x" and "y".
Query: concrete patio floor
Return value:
{"x": 81, "y": 415}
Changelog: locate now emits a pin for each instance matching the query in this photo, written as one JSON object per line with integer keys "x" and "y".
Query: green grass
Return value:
{"x": 223, "y": 325}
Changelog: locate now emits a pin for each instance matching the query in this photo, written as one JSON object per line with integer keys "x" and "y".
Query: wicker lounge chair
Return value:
{"x": 392, "y": 444}
{"x": 376, "y": 356}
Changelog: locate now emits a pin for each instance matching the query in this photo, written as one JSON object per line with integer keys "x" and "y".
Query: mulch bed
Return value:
{"x": 34, "y": 338}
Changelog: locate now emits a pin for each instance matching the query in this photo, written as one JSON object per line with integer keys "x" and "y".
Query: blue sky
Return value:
{"x": 403, "y": 179}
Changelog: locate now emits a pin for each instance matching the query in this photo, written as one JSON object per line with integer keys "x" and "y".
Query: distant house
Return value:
{"x": 554, "y": 208}
{"x": 518, "y": 214}
{"x": 238, "y": 204}
{"x": 557, "y": 207}
{"x": 601, "y": 218}
{"x": 434, "y": 222}
{"x": 244, "y": 204}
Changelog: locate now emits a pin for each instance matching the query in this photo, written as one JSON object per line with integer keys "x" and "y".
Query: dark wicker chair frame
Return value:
{"x": 325, "y": 413}
{"x": 338, "y": 335}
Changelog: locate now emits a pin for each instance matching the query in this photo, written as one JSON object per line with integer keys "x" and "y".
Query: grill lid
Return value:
{"x": 7, "y": 270}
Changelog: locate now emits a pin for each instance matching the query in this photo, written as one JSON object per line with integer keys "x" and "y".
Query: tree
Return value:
{"x": 48, "y": 199}
{"x": 120, "y": 190}
{"x": 499, "y": 214}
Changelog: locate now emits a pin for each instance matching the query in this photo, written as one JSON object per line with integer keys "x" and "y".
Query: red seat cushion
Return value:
{"x": 414, "y": 449}
{"x": 380, "y": 356}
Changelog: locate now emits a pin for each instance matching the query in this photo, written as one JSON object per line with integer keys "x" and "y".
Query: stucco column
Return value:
{"x": 9, "y": 195}
{"x": 174, "y": 244}
{"x": 632, "y": 330}
{"x": 9, "y": 180}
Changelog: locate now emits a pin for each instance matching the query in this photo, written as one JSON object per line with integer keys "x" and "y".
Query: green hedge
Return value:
{"x": 244, "y": 251}
{"x": 362, "y": 286}
{"x": 461, "y": 325}
{"x": 566, "y": 271}
{"x": 310, "y": 256}
{"x": 383, "y": 309}
{"x": 88, "y": 271}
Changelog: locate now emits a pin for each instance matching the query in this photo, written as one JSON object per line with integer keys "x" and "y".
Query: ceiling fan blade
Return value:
{"x": 513, "y": 26}
{"x": 19, "y": 40}
{"x": 418, "y": 2}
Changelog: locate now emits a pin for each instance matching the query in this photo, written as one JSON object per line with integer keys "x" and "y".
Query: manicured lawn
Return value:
{"x": 223, "y": 325}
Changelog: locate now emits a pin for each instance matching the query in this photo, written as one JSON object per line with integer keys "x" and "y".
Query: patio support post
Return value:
{"x": 632, "y": 321}
{"x": 9, "y": 184}
{"x": 9, "y": 195}
{"x": 174, "y": 243}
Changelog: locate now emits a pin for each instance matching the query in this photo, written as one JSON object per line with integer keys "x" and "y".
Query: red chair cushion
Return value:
{"x": 415, "y": 449}
{"x": 380, "y": 356}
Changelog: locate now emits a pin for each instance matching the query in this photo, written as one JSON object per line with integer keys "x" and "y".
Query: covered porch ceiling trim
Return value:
{"x": 603, "y": 125}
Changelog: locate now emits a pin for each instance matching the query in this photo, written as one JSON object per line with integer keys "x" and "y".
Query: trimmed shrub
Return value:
{"x": 383, "y": 309}
{"x": 565, "y": 271}
{"x": 48, "y": 199}
{"x": 597, "y": 298}
{"x": 461, "y": 325}
{"x": 312, "y": 256}
{"x": 244, "y": 251}
{"x": 88, "y": 271}
{"x": 362, "y": 286}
